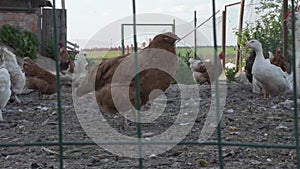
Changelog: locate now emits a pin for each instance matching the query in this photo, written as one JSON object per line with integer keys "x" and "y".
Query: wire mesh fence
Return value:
{"x": 217, "y": 145}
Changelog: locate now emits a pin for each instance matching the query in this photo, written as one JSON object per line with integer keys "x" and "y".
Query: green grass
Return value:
{"x": 96, "y": 56}
{"x": 207, "y": 51}
{"x": 102, "y": 54}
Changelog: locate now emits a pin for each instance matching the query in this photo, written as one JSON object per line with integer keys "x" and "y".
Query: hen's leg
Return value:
{"x": 125, "y": 120}
{"x": 125, "y": 123}
{"x": 15, "y": 98}
{"x": 1, "y": 118}
{"x": 265, "y": 94}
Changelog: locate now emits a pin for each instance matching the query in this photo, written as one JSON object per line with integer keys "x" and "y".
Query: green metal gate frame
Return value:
{"x": 125, "y": 24}
{"x": 219, "y": 143}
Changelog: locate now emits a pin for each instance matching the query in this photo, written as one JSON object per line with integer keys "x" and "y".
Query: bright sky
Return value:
{"x": 86, "y": 18}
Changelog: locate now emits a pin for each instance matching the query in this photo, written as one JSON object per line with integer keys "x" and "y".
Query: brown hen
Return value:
{"x": 203, "y": 71}
{"x": 114, "y": 78}
{"x": 39, "y": 78}
{"x": 279, "y": 60}
{"x": 66, "y": 64}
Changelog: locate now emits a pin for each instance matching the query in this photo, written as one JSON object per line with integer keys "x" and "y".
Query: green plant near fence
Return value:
{"x": 50, "y": 50}
{"x": 230, "y": 74}
{"x": 25, "y": 43}
{"x": 50, "y": 53}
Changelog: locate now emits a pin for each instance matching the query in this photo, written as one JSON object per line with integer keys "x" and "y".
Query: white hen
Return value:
{"x": 256, "y": 86}
{"x": 5, "y": 91}
{"x": 80, "y": 62}
{"x": 272, "y": 79}
{"x": 18, "y": 79}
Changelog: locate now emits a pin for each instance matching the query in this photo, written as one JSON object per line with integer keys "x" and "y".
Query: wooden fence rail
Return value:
{"x": 46, "y": 28}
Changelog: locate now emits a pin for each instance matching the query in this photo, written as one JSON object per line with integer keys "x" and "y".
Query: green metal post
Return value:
{"x": 195, "y": 34}
{"x": 295, "y": 87}
{"x": 60, "y": 135}
{"x": 137, "y": 87}
{"x": 216, "y": 60}
{"x": 122, "y": 39}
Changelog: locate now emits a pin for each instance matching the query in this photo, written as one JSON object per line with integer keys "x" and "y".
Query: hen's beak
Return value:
{"x": 177, "y": 38}
{"x": 171, "y": 35}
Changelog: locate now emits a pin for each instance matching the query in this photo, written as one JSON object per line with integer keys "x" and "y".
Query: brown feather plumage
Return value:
{"x": 203, "y": 71}
{"x": 66, "y": 64}
{"x": 39, "y": 78}
{"x": 279, "y": 60}
{"x": 161, "y": 52}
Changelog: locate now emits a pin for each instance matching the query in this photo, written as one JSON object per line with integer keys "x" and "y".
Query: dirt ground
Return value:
{"x": 246, "y": 118}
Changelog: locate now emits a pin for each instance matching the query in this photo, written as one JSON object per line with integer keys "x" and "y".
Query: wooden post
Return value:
{"x": 40, "y": 29}
{"x": 285, "y": 32}
{"x": 62, "y": 27}
{"x": 240, "y": 31}
{"x": 63, "y": 4}
{"x": 195, "y": 34}
{"x": 224, "y": 15}
{"x": 224, "y": 36}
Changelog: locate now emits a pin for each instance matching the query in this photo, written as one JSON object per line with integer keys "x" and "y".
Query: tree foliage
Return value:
{"x": 24, "y": 42}
{"x": 267, "y": 28}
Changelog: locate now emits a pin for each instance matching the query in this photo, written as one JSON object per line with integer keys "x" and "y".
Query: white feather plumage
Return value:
{"x": 5, "y": 91}
{"x": 80, "y": 62}
{"x": 272, "y": 79}
{"x": 18, "y": 79}
{"x": 80, "y": 65}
